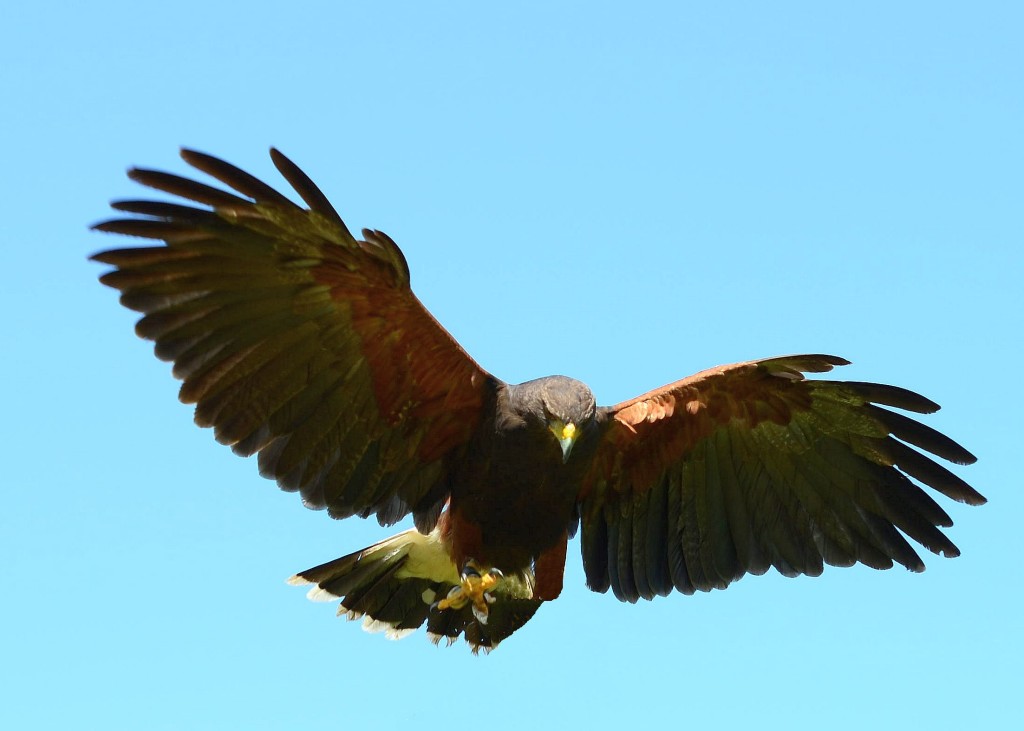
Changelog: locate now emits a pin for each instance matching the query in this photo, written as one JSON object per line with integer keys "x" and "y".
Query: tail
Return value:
{"x": 395, "y": 585}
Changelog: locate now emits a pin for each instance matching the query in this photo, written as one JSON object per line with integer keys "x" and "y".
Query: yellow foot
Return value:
{"x": 475, "y": 589}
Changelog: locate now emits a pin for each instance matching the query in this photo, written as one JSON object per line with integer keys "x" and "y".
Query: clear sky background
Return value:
{"x": 622, "y": 192}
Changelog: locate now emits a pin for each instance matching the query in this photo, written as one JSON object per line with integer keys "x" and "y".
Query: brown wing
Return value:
{"x": 748, "y": 466}
{"x": 299, "y": 342}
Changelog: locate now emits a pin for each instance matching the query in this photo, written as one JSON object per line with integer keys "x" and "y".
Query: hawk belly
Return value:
{"x": 517, "y": 500}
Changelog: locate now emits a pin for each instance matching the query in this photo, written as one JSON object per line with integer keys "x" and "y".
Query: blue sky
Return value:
{"x": 625, "y": 193}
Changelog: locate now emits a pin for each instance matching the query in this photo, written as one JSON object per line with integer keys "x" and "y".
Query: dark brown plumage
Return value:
{"x": 304, "y": 345}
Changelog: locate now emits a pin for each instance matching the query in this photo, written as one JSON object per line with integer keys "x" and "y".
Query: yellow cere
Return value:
{"x": 568, "y": 431}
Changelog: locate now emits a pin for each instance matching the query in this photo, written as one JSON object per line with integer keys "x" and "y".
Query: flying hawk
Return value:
{"x": 304, "y": 345}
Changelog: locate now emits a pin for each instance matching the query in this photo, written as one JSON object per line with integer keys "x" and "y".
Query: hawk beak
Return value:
{"x": 566, "y": 437}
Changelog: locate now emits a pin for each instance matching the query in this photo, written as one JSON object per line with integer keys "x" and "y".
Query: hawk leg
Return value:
{"x": 477, "y": 584}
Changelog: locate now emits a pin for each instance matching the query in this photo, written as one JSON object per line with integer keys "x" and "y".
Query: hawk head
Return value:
{"x": 562, "y": 404}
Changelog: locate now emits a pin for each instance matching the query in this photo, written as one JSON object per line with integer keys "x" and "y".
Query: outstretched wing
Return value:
{"x": 299, "y": 342}
{"x": 748, "y": 466}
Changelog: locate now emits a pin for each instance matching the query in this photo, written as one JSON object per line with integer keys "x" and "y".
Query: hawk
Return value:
{"x": 304, "y": 345}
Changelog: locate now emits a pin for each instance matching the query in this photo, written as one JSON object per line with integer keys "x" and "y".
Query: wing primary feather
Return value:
{"x": 922, "y": 436}
{"x": 871, "y": 479}
{"x": 139, "y": 256}
{"x": 145, "y": 228}
{"x": 880, "y": 393}
{"x": 904, "y": 515}
{"x": 897, "y": 548}
{"x": 191, "y": 190}
{"x": 307, "y": 189}
{"x": 932, "y": 474}
{"x": 170, "y": 212}
{"x": 238, "y": 179}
